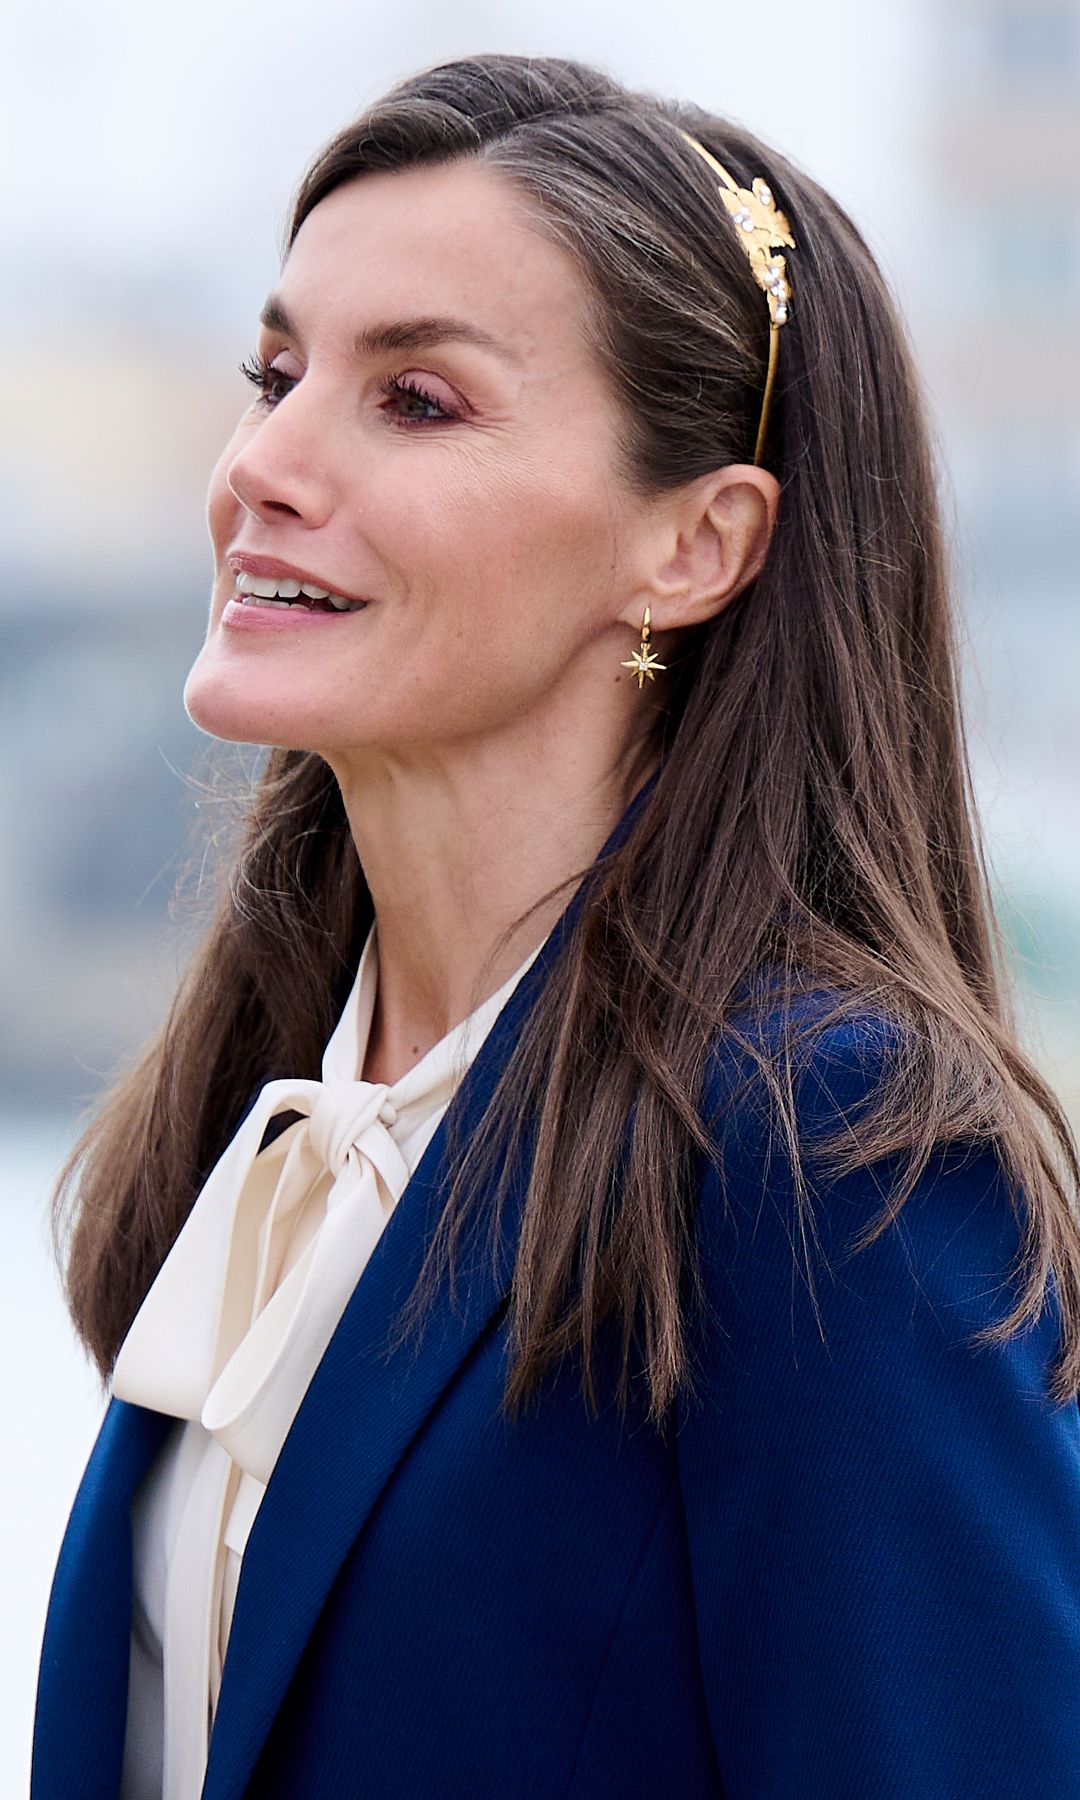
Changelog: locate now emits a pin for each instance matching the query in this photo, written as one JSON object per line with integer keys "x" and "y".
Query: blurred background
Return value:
{"x": 148, "y": 157}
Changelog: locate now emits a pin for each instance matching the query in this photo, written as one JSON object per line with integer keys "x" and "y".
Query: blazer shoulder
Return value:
{"x": 776, "y": 1203}
{"x": 835, "y": 1050}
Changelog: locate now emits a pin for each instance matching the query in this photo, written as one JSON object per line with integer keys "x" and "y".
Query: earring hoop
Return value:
{"x": 644, "y": 661}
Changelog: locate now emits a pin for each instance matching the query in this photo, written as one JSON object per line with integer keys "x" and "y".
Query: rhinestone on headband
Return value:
{"x": 763, "y": 230}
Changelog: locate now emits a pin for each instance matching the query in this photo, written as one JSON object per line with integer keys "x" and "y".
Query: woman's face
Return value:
{"x": 436, "y": 440}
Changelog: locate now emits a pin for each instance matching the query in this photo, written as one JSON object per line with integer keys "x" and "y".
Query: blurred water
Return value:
{"x": 55, "y": 1402}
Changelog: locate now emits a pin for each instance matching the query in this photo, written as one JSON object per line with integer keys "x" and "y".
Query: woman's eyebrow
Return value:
{"x": 397, "y": 334}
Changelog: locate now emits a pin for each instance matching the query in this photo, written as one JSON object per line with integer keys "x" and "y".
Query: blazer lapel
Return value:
{"x": 82, "y": 1683}
{"x": 364, "y": 1406}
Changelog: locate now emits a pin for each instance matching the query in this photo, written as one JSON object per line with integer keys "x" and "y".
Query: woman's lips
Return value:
{"x": 244, "y": 616}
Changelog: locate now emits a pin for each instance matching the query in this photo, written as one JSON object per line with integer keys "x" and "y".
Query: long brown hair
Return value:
{"x": 812, "y": 814}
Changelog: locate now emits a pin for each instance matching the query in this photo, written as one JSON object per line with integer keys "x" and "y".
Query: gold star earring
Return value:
{"x": 644, "y": 661}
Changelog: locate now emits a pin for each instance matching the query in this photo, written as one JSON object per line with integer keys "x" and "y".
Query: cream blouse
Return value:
{"x": 228, "y": 1338}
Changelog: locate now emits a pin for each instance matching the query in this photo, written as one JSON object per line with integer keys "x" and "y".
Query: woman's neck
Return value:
{"x": 454, "y": 856}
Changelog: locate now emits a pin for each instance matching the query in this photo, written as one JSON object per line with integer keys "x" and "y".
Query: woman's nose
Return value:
{"x": 280, "y": 468}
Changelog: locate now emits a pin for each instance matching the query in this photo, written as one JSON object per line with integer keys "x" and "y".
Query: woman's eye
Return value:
{"x": 273, "y": 384}
{"x": 415, "y": 402}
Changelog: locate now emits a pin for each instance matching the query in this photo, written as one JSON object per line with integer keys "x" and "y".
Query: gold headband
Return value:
{"x": 762, "y": 230}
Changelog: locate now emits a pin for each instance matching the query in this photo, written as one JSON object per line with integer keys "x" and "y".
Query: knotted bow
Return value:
{"x": 245, "y": 1303}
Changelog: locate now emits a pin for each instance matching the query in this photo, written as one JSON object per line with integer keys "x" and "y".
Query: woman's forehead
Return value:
{"x": 454, "y": 242}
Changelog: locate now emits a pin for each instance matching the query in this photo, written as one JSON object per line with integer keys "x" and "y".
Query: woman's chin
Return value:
{"x": 225, "y": 707}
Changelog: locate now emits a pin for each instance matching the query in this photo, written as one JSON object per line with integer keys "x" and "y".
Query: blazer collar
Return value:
{"x": 363, "y": 1406}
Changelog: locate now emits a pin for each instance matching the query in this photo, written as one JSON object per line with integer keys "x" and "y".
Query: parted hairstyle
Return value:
{"x": 812, "y": 816}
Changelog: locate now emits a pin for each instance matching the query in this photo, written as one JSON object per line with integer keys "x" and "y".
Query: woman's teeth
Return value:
{"x": 270, "y": 590}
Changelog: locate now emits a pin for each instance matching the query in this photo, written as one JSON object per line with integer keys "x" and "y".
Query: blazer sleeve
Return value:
{"x": 883, "y": 1521}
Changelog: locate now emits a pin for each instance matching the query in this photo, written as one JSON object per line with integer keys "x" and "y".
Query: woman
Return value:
{"x": 590, "y": 1282}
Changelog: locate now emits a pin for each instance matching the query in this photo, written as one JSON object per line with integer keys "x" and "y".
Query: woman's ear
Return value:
{"x": 712, "y": 540}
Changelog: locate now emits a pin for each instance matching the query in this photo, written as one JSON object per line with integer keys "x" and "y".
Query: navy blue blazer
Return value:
{"x": 848, "y": 1569}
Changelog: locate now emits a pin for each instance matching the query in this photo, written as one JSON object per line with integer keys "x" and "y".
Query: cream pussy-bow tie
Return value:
{"x": 244, "y": 1305}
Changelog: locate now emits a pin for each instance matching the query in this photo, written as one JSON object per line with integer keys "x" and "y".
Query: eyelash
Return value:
{"x": 258, "y": 371}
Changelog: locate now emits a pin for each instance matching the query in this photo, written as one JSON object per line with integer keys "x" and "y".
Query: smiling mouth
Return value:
{"x": 291, "y": 595}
